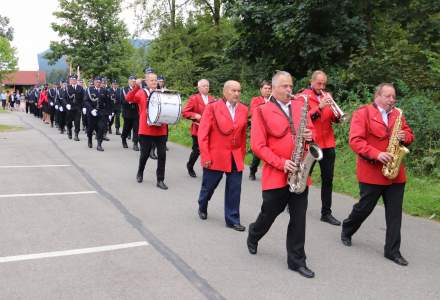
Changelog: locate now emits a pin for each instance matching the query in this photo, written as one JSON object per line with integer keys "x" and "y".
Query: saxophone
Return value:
{"x": 391, "y": 169}
{"x": 297, "y": 180}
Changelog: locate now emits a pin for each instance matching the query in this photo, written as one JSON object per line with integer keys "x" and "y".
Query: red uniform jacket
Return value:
{"x": 368, "y": 137}
{"x": 256, "y": 101}
{"x": 138, "y": 96}
{"x": 322, "y": 121}
{"x": 272, "y": 141}
{"x": 42, "y": 98}
{"x": 220, "y": 138}
{"x": 195, "y": 105}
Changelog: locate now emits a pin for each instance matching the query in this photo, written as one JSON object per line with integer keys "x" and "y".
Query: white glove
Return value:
{"x": 94, "y": 112}
{"x": 68, "y": 106}
{"x": 51, "y": 104}
{"x": 113, "y": 114}
{"x": 61, "y": 108}
{"x": 56, "y": 106}
{"x": 84, "y": 110}
{"x": 110, "y": 118}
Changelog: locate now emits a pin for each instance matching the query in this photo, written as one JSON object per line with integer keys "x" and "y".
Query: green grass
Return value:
{"x": 6, "y": 128}
{"x": 422, "y": 194}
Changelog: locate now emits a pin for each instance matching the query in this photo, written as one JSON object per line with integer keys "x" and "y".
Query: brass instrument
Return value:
{"x": 297, "y": 180}
{"x": 391, "y": 169}
{"x": 337, "y": 111}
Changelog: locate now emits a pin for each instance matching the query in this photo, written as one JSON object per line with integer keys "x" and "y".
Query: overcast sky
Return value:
{"x": 32, "y": 32}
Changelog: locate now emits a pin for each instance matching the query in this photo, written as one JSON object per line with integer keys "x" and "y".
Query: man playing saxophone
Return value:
{"x": 372, "y": 131}
{"x": 273, "y": 132}
{"x": 323, "y": 117}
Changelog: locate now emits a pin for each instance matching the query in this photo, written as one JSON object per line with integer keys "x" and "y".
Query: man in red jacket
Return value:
{"x": 370, "y": 130}
{"x": 193, "y": 111}
{"x": 274, "y": 127}
{"x": 323, "y": 117}
{"x": 265, "y": 91}
{"x": 149, "y": 134}
{"x": 222, "y": 140}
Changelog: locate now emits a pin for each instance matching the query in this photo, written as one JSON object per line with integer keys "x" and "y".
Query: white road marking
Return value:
{"x": 34, "y": 166}
{"x": 47, "y": 194}
{"x": 6, "y": 259}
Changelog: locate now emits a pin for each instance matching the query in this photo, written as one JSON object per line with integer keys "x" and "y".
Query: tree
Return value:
{"x": 93, "y": 37}
{"x": 8, "y": 59}
{"x": 5, "y": 30}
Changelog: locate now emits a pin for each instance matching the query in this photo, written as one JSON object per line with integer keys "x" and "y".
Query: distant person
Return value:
{"x": 22, "y": 103}
{"x": 11, "y": 101}
{"x": 3, "y": 97}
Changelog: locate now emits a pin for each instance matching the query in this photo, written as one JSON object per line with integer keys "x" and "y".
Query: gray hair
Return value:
{"x": 199, "y": 83}
{"x": 279, "y": 74}
{"x": 317, "y": 73}
{"x": 378, "y": 90}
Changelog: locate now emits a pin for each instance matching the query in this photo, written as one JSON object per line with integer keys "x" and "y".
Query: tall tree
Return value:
{"x": 92, "y": 36}
{"x": 8, "y": 60}
{"x": 6, "y": 30}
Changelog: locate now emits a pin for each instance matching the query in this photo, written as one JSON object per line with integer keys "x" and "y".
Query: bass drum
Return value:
{"x": 163, "y": 108}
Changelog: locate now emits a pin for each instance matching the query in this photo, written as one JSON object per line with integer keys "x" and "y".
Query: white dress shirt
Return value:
{"x": 384, "y": 114}
{"x": 205, "y": 99}
{"x": 285, "y": 107}
{"x": 231, "y": 108}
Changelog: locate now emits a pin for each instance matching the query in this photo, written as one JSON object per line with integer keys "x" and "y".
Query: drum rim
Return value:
{"x": 160, "y": 109}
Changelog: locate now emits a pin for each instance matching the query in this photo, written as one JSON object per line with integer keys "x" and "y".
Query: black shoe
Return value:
{"x": 135, "y": 147}
{"x": 203, "y": 215}
{"x": 105, "y": 138}
{"x": 252, "y": 177}
{"x": 346, "y": 240}
{"x": 76, "y": 137}
{"x": 69, "y": 134}
{"x": 252, "y": 247}
{"x": 124, "y": 144}
{"x": 99, "y": 147}
{"x": 89, "y": 143}
{"x": 191, "y": 171}
{"x": 304, "y": 271}
{"x": 398, "y": 260}
{"x": 161, "y": 185}
{"x": 237, "y": 227}
{"x": 117, "y": 131}
{"x": 139, "y": 178}
{"x": 331, "y": 220}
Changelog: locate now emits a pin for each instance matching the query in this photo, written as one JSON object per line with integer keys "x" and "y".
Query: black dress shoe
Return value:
{"x": 304, "y": 271}
{"x": 330, "y": 219}
{"x": 99, "y": 148}
{"x": 346, "y": 240}
{"x": 162, "y": 185}
{"x": 89, "y": 143}
{"x": 202, "y": 215}
{"x": 398, "y": 260}
{"x": 252, "y": 247}
{"x": 139, "y": 178}
{"x": 252, "y": 177}
{"x": 124, "y": 144}
{"x": 76, "y": 139}
{"x": 237, "y": 227}
{"x": 135, "y": 147}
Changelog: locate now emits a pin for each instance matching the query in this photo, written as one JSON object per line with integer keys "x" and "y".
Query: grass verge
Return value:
{"x": 7, "y": 128}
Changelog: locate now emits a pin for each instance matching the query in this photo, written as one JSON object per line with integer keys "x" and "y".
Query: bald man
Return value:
{"x": 193, "y": 111}
{"x": 222, "y": 141}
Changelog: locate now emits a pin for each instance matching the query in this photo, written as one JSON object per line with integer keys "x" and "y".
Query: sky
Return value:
{"x": 31, "y": 21}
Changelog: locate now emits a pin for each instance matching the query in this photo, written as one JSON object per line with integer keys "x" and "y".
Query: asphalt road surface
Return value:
{"x": 75, "y": 224}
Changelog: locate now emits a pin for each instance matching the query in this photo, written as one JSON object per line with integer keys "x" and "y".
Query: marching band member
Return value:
{"x": 274, "y": 126}
{"x": 43, "y": 103}
{"x": 265, "y": 91}
{"x": 130, "y": 115}
{"x": 60, "y": 106}
{"x": 115, "y": 94}
{"x": 371, "y": 131}
{"x": 149, "y": 134}
{"x": 222, "y": 141}
{"x": 52, "y": 97}
{"x": 193, "y": 111}
{"x": 323, "y": 117}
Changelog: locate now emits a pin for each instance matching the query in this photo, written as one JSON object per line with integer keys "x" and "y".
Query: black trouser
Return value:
{"x": 84, "y": 119}
{"x": 28, "y": 107}
{"x": 116, "y": 119}
{"x": 327, "y": 165}
{"x": 274, "y": 203}
{"x": 392, "y": 196}
{"x": 145, "y": 142}
{"x": 195, "y": 153}
{"x": 255, "y": 163}
{"x": 4, "y": 104}
{"x": 73, "y": 116}
{"x": 129, "y": 125}
{"x": 52, "y": 114}
{"x": 61, "y": 120}
{"x": 97, "y": 123}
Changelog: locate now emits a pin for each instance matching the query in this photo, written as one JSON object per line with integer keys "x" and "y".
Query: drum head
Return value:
{"x": 153, "y": 108}
{"x": 164, "y": 108}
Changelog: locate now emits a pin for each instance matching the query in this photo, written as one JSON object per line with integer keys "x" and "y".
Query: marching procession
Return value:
{"x": 289, "y": 132}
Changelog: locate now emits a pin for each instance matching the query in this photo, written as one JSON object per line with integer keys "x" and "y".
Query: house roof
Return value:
{"x": 25, "y": 78}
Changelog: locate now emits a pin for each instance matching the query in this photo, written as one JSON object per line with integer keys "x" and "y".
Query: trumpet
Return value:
{"x": 337, "y": 111}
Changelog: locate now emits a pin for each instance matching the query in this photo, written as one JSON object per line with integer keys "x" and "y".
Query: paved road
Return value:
{"x": 180, "y": 256}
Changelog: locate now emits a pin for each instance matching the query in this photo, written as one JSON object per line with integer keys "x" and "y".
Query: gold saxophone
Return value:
{"x": 297, "y": 180}
{"x": 391, "y": 169}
